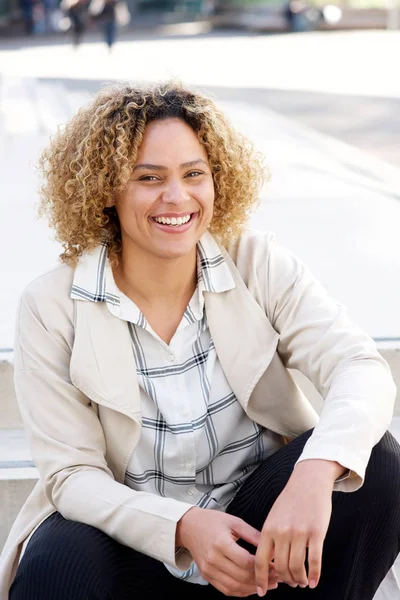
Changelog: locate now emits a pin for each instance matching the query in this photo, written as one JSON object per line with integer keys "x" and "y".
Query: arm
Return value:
{"x": 318, "y": 339}
{"x": 68, "y": 443}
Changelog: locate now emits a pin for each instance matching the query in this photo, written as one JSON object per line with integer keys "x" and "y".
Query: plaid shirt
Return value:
{"x": 197, "y": 444}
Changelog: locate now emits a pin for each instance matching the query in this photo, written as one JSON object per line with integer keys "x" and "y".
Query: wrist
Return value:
{"x": 319, "y": 470}
{"x": 183, "y": 525}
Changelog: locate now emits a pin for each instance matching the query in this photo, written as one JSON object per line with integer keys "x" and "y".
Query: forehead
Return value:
{"x": 170, "y": 136}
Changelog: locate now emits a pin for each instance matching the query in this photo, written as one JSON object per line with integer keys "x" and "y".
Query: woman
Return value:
{"x": 175, "y": 452}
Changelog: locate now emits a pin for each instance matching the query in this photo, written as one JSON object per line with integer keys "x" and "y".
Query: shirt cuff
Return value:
{"x": 183, "y": 558}
{"x": 351, "y": 480}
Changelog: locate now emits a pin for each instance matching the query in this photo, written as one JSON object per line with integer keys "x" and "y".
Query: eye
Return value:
{"x": 148, "y": 178}
{"x": 194, "y": 174}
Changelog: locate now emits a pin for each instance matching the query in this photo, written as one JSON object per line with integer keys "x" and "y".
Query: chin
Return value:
{"x": 171, "y": 251}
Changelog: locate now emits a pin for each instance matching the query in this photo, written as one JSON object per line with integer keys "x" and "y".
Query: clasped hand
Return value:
{"x": 294, "y": 530}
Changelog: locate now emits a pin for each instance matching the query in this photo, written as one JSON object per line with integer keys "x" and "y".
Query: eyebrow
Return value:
{"x": 185, "y": 165}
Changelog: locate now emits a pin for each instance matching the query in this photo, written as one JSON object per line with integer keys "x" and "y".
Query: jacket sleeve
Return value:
{"x": 68, "y": 444}
{"x": 341, "y": 360}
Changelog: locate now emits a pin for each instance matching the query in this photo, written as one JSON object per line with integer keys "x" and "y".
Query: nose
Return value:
{"x": 175, "y": 192}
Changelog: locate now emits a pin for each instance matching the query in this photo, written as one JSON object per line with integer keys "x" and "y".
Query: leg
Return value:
{"x": 65, "y": 560}
{"x": 109, "y": 30}
{"x": 362, "y": 541}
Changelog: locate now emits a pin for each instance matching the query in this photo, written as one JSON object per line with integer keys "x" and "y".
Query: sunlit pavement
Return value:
{"x": 337, "y": 62}
{"x": 333, "y": 205}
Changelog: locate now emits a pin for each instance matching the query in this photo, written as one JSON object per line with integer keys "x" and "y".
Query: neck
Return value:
{"x": 152, "y": 280}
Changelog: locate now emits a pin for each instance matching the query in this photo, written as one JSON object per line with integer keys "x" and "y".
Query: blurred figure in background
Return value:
{"x": 301, "y": 16}
{"x": 50, "y": 8}
{"x": 27, "y": 12}
{"x": 77, "y": 11}
{"x": 108, "y": 15}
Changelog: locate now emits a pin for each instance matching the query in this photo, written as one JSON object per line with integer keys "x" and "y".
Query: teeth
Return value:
{"x": 173, "y": 221}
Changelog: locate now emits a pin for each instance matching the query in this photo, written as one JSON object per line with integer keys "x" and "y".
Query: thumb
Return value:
{"x": 246, "y": 532}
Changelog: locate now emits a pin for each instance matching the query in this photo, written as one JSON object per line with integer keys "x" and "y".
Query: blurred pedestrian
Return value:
{"x": 108, "y": 14}
{"x": 301, "y": 16}
{"x": 27, "y": 13}
{"x": 76, "y": 10}
{"x": 109, "y": 22}
{"x": 50, "y": 8}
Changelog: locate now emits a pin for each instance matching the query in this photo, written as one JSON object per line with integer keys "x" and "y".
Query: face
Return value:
{"x": 169, "y": 200}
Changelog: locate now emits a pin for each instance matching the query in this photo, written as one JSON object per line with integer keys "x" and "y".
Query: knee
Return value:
{"x": 61, "y": 556}
{"x": 382, "y": 478}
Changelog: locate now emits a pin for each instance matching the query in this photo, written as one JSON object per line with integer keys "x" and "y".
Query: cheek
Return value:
{"x": 209, "y": 194}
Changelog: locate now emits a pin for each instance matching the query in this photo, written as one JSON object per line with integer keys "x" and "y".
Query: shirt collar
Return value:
{"x": 94, "y": 280}
{"x": 212, "y": 270}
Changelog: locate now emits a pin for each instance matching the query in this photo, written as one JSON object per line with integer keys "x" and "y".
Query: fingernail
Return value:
{"x": 313, "y": 584}
{"x": 259, "y": 592}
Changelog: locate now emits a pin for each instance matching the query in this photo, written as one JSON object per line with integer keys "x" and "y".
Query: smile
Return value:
{"x": 176, "y": 223}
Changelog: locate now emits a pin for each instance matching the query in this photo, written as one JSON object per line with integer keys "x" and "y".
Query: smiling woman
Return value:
{"x": 152, "y": 368}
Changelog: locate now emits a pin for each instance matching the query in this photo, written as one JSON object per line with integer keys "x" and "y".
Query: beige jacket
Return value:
{"x": 77, "y": 389}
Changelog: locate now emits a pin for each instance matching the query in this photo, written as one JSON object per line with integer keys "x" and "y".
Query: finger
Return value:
{"x": 242, "y": 574}
{"x": 246, "y": 532}
{"x": 314, "y": 560}
{"x": 238, "y": 555}
{"x": 297, "y": 558}
{"x": 281, "y": 561}
{"x": 264, "y": 555}
{"x": 231, "y": 587}
{"x": 273, "y": 579}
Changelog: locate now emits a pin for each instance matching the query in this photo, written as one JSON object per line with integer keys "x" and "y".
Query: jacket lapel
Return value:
{"x": 102, "y": 363}
{"x": 244, "y": 339}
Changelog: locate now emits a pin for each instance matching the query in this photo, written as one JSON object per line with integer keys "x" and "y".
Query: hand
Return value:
{"x": 298, "y": 520}
{"x": 211, "y": 536}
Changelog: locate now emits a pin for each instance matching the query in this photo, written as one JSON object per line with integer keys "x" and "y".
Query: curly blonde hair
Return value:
{"x": 88, "y": 164}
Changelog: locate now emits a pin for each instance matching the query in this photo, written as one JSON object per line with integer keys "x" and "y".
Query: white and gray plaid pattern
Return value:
{"x": 197, "y": 444}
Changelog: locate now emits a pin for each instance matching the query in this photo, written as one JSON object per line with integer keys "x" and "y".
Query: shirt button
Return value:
{"x": 190, "y": 492}
{"x": 171, "y": 357}
{"x": 184, "y": 412}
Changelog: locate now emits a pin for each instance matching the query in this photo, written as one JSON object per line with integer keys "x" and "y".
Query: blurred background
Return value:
{"x": 315, "y": 84}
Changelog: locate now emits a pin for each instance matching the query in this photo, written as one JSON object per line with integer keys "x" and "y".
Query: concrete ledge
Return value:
{"x": 15, "y": 487}
{"x": 10, "y": 417}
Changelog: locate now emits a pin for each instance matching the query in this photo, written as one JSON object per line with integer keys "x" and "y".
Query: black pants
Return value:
{"x": 65, "y": 560}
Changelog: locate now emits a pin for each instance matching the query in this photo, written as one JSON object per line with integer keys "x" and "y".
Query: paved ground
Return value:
{"x": 341, "y": 83}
